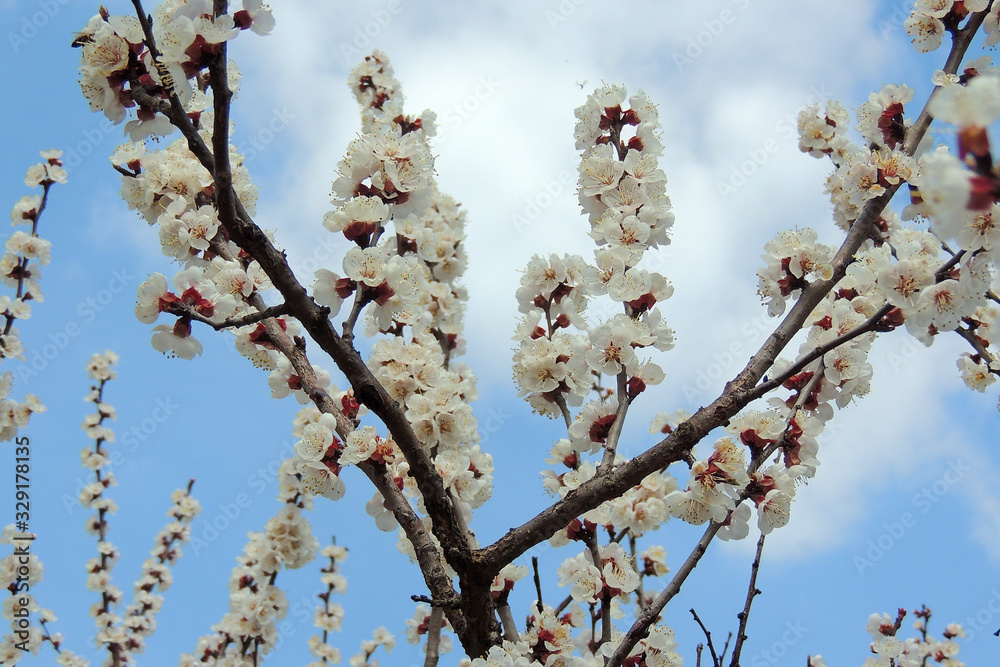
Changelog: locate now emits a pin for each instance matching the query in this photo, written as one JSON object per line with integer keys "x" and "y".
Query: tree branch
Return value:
{"x": 241, "y": 229}
{"x": 648, "y": 616}
{"x": 434, "y": 623}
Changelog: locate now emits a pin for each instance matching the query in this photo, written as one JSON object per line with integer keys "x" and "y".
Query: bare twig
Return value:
{"x": 716, "y": 661}
{"x": 443, "y": 604}
{"x": 649, "y": 615}
{"x": 184, "y": 310}
{"x": 640, "y": 595}
{"x": 561, "y": 402}
{"x": 538, "y": 580}
{"x": 744, "y": 616}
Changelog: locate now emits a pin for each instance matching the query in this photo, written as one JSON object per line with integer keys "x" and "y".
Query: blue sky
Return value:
{"x": 504, "y": 81}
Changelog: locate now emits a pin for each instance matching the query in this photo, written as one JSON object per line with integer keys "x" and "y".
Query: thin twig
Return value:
{"x": 611, "y": 444}
{"x": 716, "y": 662}
{"x": 22, "y": 264}
{"x": 184, "y": 310}
{"x": 978, "y": 346}
{"x": 590, "y": 540}
{"x": 868, "y": 326}
{"x": 640, "y": 595}
{"x": 562, "y": 605}
{"x": 561, "y": 402}
{"x": 443, "y": 604}
{"x": 538, "y": 580}
{"x": 744, "y": 616}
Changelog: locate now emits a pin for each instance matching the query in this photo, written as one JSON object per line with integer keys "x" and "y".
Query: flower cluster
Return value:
{"x": 111, "y": 631}
{"x": 934, "y": 280}
{"x": 589, "y": 580}
{"x": 380, "y": 637}
{"x": 641, "y": 509}
{"x": 328, "y": 615}
{"x": 550, "y": 640}
{"x": 794, "y": 260}
{"x": 140, "y": 616}
{"x": 387, "y": 176}
{"x": 121, "y": 66}
{"x": 930, "y": 19}
{"x": 889, "y": 649}
{"x": 623, "y": 191}
{"x": 249, "y": 630}
{"x": 171, "y": 189}
{"x": 550, "y": 366}
{"x": 24, "y": 253}
{"x": 409, "y": 278}
{"x": 436, "y": 397}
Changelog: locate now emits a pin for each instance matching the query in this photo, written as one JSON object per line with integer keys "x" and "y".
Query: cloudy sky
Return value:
{"x": 504, "y": 78}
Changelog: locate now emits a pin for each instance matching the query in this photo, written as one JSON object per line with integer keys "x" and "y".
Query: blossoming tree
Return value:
{"x": 585, "y": 345}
